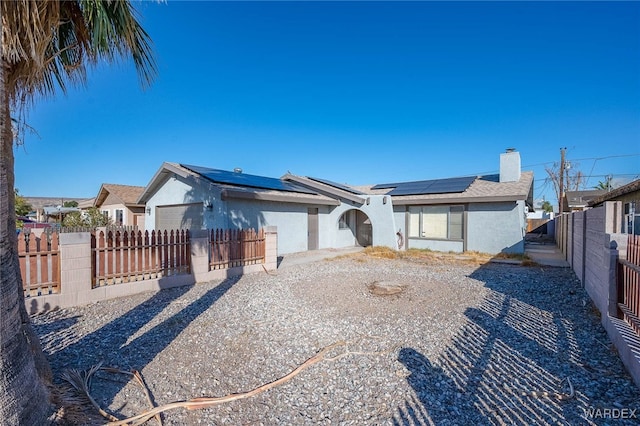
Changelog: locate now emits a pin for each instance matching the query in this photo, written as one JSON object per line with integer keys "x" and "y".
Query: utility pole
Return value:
{"x": 561, "y": 185}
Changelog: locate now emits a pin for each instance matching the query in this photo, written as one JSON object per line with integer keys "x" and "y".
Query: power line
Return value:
{"x": 607, "y": 157}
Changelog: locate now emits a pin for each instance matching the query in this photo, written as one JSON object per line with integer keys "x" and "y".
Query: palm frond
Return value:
{"x": 49, "y": 44}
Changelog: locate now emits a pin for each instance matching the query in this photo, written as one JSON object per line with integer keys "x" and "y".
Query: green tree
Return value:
{"x": 606, "y": 185}
{"x": 73, "y": 203}
{"x": 22, "y": 206}
{"x": 90, "y": 218}
{"x": 547, "y": 207}
{"x": 45, "y": 44}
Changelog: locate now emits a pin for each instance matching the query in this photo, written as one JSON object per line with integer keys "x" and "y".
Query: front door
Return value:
{"x": 312, "y": 233}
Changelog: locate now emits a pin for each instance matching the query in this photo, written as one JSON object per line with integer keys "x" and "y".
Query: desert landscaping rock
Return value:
{"x": 385, "y": 288}
{"x": 462, "y": 344}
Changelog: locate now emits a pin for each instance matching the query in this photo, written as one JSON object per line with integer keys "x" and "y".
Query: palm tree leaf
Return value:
{"x": 49, "y": 44}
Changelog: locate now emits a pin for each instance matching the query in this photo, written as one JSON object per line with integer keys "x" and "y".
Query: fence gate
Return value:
{"x": 236, "y": 247}
{"x": 629, "y": 284}
{"x": 127, "y": 256}
{"x": 39, "y": 259}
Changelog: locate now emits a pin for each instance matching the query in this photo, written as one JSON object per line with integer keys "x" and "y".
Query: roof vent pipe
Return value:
{"x": 237, "y": 170}
{"x": 510, "y": 166}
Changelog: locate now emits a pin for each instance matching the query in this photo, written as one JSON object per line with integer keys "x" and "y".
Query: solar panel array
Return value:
{"x": 244, "y": 179}
{"x": 337, "y": 185}
{"x": 425, "y": 187}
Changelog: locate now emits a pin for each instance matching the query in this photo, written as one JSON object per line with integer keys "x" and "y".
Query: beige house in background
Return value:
{"x": 119, "y": 203}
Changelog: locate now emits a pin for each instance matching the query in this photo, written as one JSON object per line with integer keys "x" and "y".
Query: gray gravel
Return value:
{"x": 462, "y": 344}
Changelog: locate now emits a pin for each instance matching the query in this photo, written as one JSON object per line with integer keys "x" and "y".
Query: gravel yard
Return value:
{"x": 462, "y": 344}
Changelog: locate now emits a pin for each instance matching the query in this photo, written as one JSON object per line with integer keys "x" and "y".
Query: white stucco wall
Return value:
{"x": 496, "y": 227}
{"x": 490, "y": 228}
{"x": 379, "y": 213}
{"x": 178, "y": 190}
{"x": 422, "y": 243}
{"x": 436, "y": 245}
{"x": 290, "y": 219}
{"x": 383, "y": 220}
{"x": 331, "y": 235}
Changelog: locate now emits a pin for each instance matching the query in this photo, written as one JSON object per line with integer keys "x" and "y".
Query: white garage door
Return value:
{"x": 183, "y": 216}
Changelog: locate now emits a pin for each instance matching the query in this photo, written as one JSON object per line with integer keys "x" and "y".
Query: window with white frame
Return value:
{"x": 119, "y": 217}
{"x": 436, "y": 222}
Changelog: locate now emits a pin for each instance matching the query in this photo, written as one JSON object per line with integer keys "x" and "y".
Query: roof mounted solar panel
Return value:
{"x": 336, "y": 185}
{"x": 386, "y": 185}
{"x": 426, "y": 187}
{"x": 244, "y": 179}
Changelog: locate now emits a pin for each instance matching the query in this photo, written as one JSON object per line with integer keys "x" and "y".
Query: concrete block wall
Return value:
{"x": 76, "y": 273}
{"x": 592, "y": 245}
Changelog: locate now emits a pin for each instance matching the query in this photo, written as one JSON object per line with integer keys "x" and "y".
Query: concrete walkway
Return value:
{"x": 546, "y": 254}
{"x": 314, "y": 256}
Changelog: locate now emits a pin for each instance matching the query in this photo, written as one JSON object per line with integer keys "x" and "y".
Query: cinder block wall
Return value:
{"x": 592, "y": 244}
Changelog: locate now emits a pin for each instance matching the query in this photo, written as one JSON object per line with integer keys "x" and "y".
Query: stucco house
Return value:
{"x": 629, "y": 196}
{"x": 577, "y": 201}
{"x": 482, "y": 213}
{"x": 120, "y": 204}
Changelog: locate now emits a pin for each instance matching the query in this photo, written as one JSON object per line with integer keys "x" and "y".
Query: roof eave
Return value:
{"x": 283, "y": 198}
{"x": 327, "y": 190}
{"x": 457, "y": 200}
{"x": 163, "y": 173}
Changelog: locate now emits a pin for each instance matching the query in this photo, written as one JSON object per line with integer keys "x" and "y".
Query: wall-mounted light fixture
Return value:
{"x": 368, "y": 200}
{"x": 148, "y": 210}
{"x": 208, "y": 205}
{"x": 384, "y": 200}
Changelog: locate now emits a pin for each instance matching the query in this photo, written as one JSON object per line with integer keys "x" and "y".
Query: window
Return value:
{"x": 345, "y": 221}
{"x": 436, "y": 222}
{"x": 631, "y": 221}
{"x": 119, "y": 217}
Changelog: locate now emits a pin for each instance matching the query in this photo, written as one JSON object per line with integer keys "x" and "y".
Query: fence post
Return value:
{"x": 615, "y": 246}
{"x": 271, "y": 248}
{"x": 75, "y": 265}
{"x": 199, "y": 247}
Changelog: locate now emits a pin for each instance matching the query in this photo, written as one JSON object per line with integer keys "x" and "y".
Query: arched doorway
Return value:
{"x": 364, "y": 230}
{"x": 360, "y": 226}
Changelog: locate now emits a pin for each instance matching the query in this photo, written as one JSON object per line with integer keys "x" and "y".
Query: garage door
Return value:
{"x": 183, "y": 216}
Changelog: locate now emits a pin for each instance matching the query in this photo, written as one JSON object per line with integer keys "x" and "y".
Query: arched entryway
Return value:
{"x": 360, "y": 226}
{"x": 364, "y": 230}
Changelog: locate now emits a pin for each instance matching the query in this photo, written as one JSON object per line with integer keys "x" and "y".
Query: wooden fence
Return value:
{"x": 39, "y": 259}
{"x": 629, "y": 284}
{"x": 127, "y": 256}
{"x": 236, "y": 247}
{"x": 537, "y": 225}
{"x": 123, "y": 256}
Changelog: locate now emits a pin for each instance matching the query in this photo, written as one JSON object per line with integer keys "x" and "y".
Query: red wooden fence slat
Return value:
{"x": 629, "y": 284}
{"x": 236, "y": 247}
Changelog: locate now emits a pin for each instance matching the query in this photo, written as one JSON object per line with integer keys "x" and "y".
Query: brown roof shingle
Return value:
{"x": 128, "y": 194}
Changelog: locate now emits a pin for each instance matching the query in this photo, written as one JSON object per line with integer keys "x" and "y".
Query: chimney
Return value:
{"x": 510, "y": 166}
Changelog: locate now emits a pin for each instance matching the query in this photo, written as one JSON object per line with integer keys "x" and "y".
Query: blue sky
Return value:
{"x": 354, "y": 92}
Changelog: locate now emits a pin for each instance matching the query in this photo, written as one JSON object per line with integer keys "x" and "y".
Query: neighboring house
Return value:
{"x": 577, "y": 201}
{"x": 481, "y": 213}
{"x": 120, "y": 204}
{"x": 56, "y": 213}
{"x": 45, "y": 209}
{"x": 629, "y": 195}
